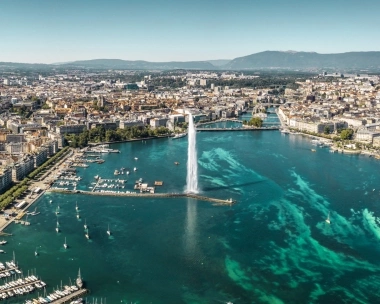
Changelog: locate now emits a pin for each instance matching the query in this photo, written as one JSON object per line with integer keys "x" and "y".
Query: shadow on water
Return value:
{"x": 232, "y": 186}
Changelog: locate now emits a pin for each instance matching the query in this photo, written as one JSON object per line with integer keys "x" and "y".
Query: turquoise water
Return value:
{"x": 273, "y": 246}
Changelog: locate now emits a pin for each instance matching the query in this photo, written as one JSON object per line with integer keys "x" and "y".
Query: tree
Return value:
{"x": 256, "y": 122}
{"x": 346, "y": 134}
{"x": 326, "y": 130}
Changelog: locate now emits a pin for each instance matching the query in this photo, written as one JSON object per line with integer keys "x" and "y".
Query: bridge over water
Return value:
{"x": 263, "y": 106}
{"x": 274, "y": 127}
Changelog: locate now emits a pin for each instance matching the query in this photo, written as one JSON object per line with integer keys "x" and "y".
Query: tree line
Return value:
{"x": 100, "y": 134}
{"x": 18, "y": 189}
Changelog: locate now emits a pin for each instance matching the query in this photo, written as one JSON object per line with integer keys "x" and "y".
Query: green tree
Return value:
{"x": 256, "y": 122}
{"x": 326, "y": 130}
{"x": 346, "y": 134}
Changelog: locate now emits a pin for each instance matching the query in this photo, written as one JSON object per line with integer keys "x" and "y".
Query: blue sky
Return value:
{"x": 48, "y": 31}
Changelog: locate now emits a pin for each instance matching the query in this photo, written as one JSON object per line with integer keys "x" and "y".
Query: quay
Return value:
{"x": 75, "y": 295}
{"x": 216, "y": 201}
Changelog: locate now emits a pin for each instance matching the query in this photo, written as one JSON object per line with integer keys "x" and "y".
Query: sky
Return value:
{"x": 50, "y": 31}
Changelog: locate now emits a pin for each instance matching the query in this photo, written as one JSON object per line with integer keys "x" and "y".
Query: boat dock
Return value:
{"x": 75, "y": 295}
{"x": 216, "y": 201}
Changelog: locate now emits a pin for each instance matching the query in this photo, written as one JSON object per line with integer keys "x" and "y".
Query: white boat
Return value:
{"x": 50, "y": 201}
{"x": 96, "y": 176}
{"x": 57, "y": 211}
{"x": 65, "y": 244}
{"x": 109, "y": 231}
{"x": 116, "y": 172}
{"x": 127, "y": 172}
{"x": 35, "y": 252}
{"x": 87, "y": 234}
{"x": 328, "y": 219}
{"x": 317, "y": 142}
{"x": 3, "y": 242}
{"x": 2, "y": 251}
{"x": 179, "y": 135}
{"x": 136, "y": 158}
{"x": 134, "y": 169}
{"x": 76, "y": 206}
{"x": 78, "y": 217}
{"x": 79, "y": 280}
{"x": 56, "y": 228}
{"x": 85, "y": 224}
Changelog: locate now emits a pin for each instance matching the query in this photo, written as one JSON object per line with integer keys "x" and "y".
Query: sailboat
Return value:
{"x": 85, "y": 224}
{"x": 78, "y": 216}
{"x": 57, "y": 211}
{"x": 76, "y": 206}
{"x": 87, "y": 234}
{"x": 35, "y": 252}
{"x": 65, "y": 244}
{"x": 109, "y": 231}
{"x": 56, "y": 228}
{"x": 50, "y": 201}
{"x": 79, "y": 280}
{"x": 328, "y": 219}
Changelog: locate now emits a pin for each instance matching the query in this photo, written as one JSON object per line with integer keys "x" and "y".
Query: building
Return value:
{"x": 5, "y": 179}
{"x": 40, "y": 156}
{"x": 203, "y": 82}
{"x": 130, "y": 123}
{"x": 158, "y": 122}
{"x": 70, "y": 129}
{"x": 21, "y": 169}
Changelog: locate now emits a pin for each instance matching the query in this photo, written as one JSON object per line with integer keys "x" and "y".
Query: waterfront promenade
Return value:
{"x": 43, "y": 183}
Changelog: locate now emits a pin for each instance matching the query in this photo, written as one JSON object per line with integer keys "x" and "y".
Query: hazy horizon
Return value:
{"x": 168, "y": 30}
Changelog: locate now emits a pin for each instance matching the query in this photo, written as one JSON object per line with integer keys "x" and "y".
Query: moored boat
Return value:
{"x": 179, "y": 135}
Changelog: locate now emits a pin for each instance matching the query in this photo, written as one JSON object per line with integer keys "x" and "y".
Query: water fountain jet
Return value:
{"x": 192, "y": 162}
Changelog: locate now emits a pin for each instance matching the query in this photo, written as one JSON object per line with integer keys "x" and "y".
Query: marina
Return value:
{"x": 14, "y": 284}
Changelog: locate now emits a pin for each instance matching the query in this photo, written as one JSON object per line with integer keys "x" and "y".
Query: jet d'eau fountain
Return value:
{"x": 192, "y": 162}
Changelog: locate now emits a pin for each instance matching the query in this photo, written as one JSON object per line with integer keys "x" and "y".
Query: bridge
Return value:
{"x": 274, "y": 127}
{"x": 263, "y": 106}
{"x": 219, "y": 120}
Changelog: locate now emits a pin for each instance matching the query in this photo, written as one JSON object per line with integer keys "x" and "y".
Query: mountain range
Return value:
{"x": 264, "y": 60}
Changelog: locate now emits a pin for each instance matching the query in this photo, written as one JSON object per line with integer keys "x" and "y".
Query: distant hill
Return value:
{"x": 290, "y": 60}
{"x": 140, "y": 64}
{"x": 18, "y": 65}
{"x": 305, "y": 60}
{"x": 219, "y": 62}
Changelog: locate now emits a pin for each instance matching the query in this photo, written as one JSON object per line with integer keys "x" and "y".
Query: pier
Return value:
{"x": 75, "y": 295}
{"x": 216, "y": 201}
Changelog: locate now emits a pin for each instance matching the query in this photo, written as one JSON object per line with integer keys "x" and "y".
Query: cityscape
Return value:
{"x": 160, "y": 153}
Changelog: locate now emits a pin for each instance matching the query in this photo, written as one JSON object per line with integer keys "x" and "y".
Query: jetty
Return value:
{"x": 75, "y": 295}
{"x": 216, "y": 201}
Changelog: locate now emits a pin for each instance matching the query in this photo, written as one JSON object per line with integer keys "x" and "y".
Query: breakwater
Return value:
{"x": 151, "y": 195}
